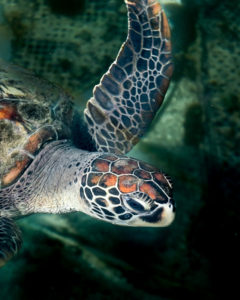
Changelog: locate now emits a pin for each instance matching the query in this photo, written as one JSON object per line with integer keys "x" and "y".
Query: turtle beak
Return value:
{"x": 162, "y": 216}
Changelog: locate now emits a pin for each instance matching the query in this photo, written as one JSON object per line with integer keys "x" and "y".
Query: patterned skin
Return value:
{"x": 131, "y": 92}
{"x": 114, "y": 188}
{"x": 58, "y": 177}
{"x": 126, "y": 191}
{"x": 32, "y": 112}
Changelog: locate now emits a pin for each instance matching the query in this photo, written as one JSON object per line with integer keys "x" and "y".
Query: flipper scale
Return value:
{"x": 132, "y": 90}
{"x": 10, "y": 240}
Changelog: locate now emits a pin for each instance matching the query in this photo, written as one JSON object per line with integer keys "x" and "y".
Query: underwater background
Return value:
{"x": 195, "y": 138}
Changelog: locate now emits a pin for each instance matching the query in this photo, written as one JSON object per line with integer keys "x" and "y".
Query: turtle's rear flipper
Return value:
{"x": 10, "y": 240}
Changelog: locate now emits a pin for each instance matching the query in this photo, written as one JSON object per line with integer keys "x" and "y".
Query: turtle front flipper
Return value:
{"x": 131, "y": 92}
{"x": 10, "y": 240}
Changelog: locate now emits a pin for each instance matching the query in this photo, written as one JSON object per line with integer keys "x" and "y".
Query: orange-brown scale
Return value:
{"x": 36, "y": 140}
{"x": 33, "y": 144}
{"x": 127, "y": 184}
{"x": 9, "y": 113}
{"x": 126, "y": 166}
{"x": 153, "y": 192}
{"x": 142, "y": 174}
{"x": 159, "y": 177}
{"x": 93, "y": 178}
{"x": 163, "y": 183}
{"x": 15, "y": 171}
{"x": 149, "y": 189}
{"x": 154, "y": 9}
{"x": 108, "y": 180}
{"x": 100, "y": 165}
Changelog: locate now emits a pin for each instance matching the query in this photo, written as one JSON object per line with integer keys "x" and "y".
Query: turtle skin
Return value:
{"x": 55, "y": 161}
{"x": 130, "y": 93}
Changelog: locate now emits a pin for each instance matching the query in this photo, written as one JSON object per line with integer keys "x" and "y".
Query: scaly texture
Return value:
{"x": 10, "y": 240}
{"x": 32, "y": 112}
{"x": 131, "y": 92}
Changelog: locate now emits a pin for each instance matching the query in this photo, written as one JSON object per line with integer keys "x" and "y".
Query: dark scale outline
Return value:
{"x": 107, "y": 203}
{"x": 147, "y": 48}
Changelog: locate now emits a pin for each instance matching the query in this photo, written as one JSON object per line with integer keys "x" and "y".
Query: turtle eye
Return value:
{"x": 135, "y": 204}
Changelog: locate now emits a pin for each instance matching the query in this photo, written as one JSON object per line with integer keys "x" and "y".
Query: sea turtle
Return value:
{"x": 55, "y": 161}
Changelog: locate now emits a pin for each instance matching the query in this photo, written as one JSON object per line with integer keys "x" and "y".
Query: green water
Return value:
{"x": 194, "y": 138}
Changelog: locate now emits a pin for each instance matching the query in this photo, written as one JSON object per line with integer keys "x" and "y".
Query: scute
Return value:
{"x": 32, "y": 112}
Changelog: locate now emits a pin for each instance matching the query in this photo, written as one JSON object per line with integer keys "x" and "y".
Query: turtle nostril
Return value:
{"x": 172, "y": 201}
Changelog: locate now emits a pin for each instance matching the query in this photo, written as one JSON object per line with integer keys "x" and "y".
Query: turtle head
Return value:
{"x": 126, "y": 191}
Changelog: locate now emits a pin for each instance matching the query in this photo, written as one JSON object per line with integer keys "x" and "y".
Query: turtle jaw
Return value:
{"x": 162, "y": 216}
{"x": 146, "y": 211}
